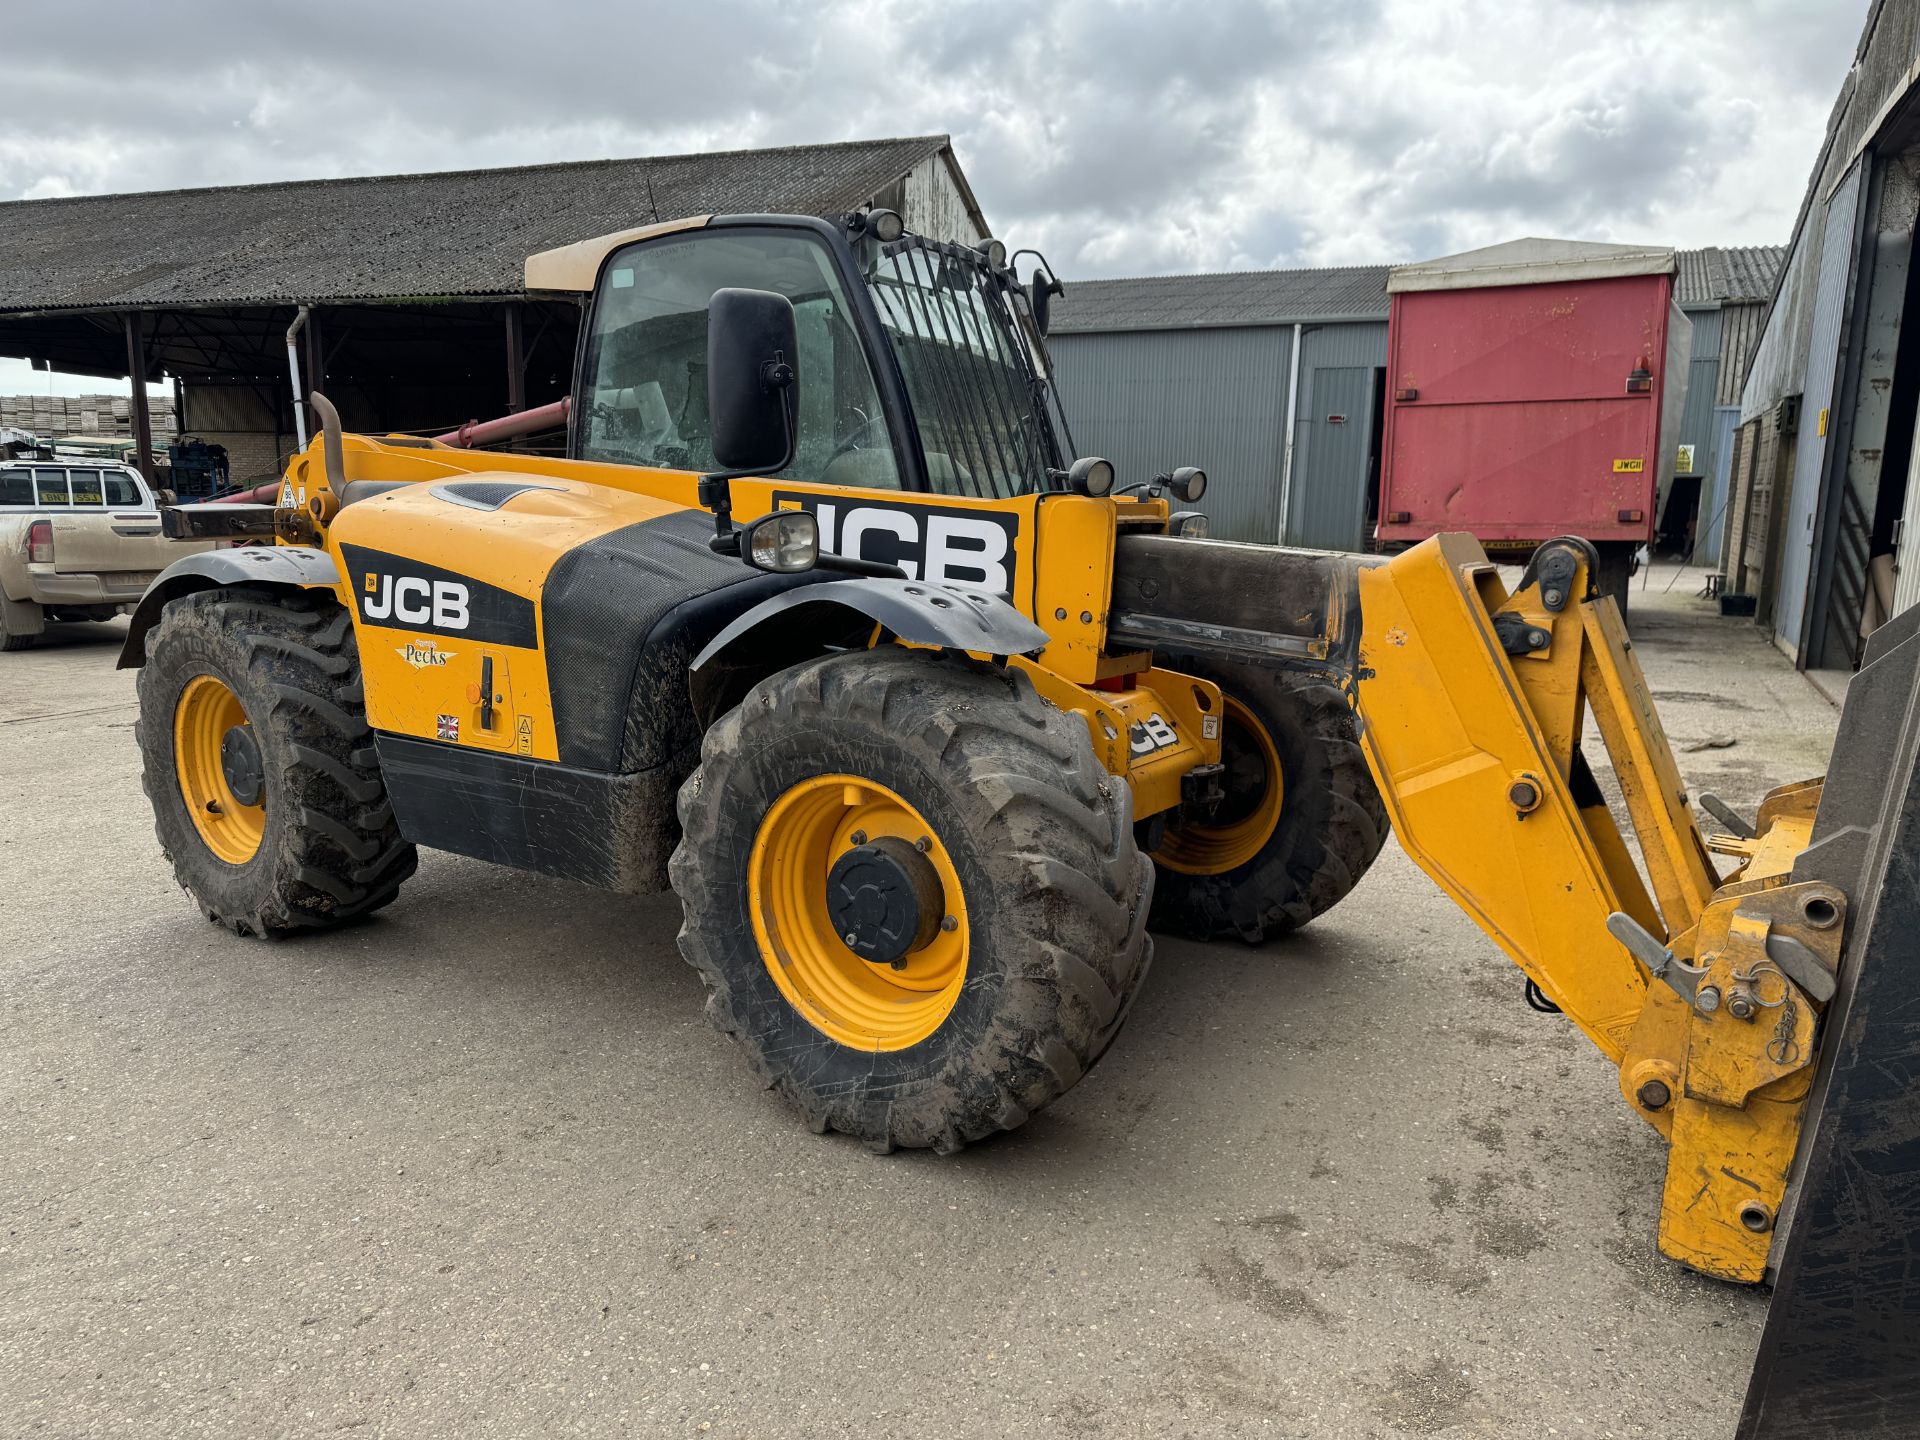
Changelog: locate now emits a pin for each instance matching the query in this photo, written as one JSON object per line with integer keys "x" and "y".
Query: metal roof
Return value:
{"x": 1531, "y": 261}
{"x": 393, "y": 237}
{"x": 1239, "y": 297}
{"x": 1348, "y": 293}
{"x": 1741, "y": 275}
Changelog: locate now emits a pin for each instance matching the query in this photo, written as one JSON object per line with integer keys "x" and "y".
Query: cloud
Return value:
{"x": 1121, "y": 136}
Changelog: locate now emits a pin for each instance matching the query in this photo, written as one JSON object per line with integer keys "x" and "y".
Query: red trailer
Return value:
{"x": 1534, "y": 389}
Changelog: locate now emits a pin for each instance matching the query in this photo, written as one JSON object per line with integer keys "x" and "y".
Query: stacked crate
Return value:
{"x": 105, "y": 416}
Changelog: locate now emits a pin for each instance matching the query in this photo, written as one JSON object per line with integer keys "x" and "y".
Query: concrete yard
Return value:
{"x": 480, "y": 1168}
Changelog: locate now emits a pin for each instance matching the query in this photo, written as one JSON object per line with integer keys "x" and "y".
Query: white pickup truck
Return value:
{"x": 78, "y": 541}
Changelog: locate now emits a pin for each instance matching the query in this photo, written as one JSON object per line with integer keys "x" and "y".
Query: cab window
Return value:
{"x": 645, "y": 374}
{"x": 50, "y": 487}
{"x": 123, "y": 489}
{"x": 85, "y": 485}
{"x": 16, "y": 486}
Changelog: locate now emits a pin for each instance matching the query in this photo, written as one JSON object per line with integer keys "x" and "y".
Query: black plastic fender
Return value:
{"x": 296, "y": 566}
{"x": 919, "y": 612}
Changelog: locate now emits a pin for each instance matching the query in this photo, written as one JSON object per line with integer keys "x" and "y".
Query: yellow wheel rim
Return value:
{"x": 1256, "y": 793}
{"x": 861, "y": 1004}
{"x": 206, "y": 711}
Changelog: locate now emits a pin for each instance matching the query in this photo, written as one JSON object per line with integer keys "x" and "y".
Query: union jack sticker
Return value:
{"x": 447, "y": 727}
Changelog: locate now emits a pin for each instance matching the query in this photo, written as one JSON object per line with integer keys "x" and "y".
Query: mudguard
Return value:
{"x": 921, "y": 613}
{"x": 293, "y": 565}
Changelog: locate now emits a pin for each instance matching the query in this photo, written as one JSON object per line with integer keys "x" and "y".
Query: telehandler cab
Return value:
{"x": 931, "y": 742}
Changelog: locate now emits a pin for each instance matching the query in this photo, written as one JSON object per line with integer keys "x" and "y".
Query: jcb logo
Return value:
{"x": 1151, "y": 734}
{"x": 407, "y": 594}
{"x": 929, "y": 542}
{"x": 410, "y": 600}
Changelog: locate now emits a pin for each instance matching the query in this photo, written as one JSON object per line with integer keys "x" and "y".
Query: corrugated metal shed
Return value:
{"x": 1149, "y": 402}
{"x": 396, "y": 237}
{"x": 1710, "y": 524}
{"x": 1234, "y": 298}
{"x": 1739, "y": 333}
{"x": 1136, "y": 368}
{"x": 1354, "y": 292}
{"x": 1888, "y": 53}
{"x": 1833, "y": 294}
{"x": 1697, "y": 427}
{"x": 1335, "y": 464}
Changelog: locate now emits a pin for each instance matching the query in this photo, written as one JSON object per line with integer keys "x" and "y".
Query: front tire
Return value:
{"x": 1015, "y": 986}
{"x": 1302, "y": 822}
{"x": 257, "y": 757}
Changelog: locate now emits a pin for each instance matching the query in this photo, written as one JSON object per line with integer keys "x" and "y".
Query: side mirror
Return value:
{"x": 752, "y": 349}
{"x": 1040, "y": 293}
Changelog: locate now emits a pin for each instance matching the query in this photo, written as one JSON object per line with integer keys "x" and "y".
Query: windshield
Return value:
{"x": 976, "y": 389}
{"x": 645, "y": 368}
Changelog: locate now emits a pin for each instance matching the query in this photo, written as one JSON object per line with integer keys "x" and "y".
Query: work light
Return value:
{"x": 786, "y": 542}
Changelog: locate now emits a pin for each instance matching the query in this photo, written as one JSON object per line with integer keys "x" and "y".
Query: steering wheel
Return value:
{"x": 855, "y": 437}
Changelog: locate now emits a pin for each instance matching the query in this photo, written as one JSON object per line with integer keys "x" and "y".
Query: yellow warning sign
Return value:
{"x": 1629, "y": 467}
{"x": 523, "y": 735}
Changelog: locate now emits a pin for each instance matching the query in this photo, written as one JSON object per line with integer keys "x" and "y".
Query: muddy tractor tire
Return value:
{"x": 257, "y": 757}
{"x": 913, "y": 893}
{"x": 1276, "y": 854}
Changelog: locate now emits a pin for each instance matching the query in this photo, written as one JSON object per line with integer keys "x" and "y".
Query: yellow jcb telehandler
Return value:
{"x": 929, "y": 722}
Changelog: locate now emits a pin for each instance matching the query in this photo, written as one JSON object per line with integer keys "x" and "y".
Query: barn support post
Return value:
{"x": 516, "y": 362}
{"x": 316, "y": 352}
{"x": 137, "y": 401}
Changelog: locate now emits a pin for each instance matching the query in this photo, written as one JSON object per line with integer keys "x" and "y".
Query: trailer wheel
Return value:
{"x": 1302, "y": 821}
{"x": 1616, "y": 571}
{"x": 259, "y": 762}
{"x": 913, "y": 894}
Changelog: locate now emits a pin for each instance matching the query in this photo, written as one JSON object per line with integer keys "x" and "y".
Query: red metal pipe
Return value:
{"x": 474, "y": 432}
{"x": 259, "y": 495}
{"x": 527, "y": 422}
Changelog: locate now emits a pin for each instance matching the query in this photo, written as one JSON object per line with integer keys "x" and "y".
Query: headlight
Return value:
{"x": 783, "y": 543}
{"x": 1091, "y": 475}
{"x": 1188, "y": 525}
{"x": 1188, "y": 484}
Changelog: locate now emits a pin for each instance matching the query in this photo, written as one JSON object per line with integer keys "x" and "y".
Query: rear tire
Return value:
{"x": 1036, "y": 834}
{"x": 1330, "y": 826}
{"x": 324, "y": 845}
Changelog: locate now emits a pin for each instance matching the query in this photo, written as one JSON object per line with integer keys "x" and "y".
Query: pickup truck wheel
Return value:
{"x": 21, "y": 622}
{"x": 913, "y": 894}
{"x": 1302, "y": 820}
{"x": 258, "y": 760}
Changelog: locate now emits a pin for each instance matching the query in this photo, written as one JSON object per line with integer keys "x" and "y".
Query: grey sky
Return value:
{"x": 1123, "y": 138}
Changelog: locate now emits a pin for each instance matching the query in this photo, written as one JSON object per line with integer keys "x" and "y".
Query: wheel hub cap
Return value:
{"x": 858, "y": 912}
{"x": 240, "y": 763}
{"x": 885, "y": 900}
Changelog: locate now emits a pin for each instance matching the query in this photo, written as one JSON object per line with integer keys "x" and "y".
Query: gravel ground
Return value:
{"x": 479, "y": 1168}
